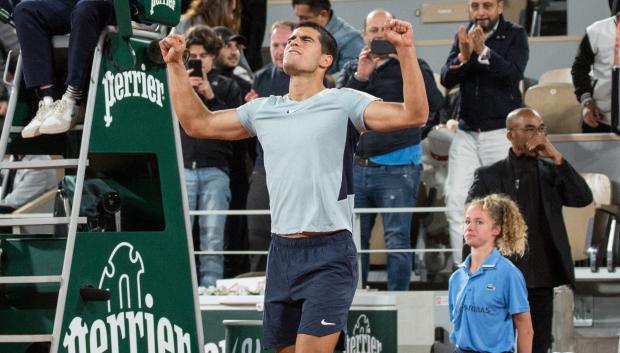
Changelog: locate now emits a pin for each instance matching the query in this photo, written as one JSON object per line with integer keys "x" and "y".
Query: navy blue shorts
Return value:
{"x": 310, "y": 287}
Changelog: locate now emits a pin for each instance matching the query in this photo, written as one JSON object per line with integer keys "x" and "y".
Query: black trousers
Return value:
{"x": 541, "y": 309}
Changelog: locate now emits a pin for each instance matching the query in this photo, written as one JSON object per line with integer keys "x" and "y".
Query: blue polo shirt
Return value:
{"x": 482, "y": 304}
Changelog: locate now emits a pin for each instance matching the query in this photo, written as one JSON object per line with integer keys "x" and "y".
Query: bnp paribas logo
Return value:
{"x": 167, "y": 3}
{"x": 361, "y": 339}
{"x": 130, "y": 84}
{"x": 132, "y": 324}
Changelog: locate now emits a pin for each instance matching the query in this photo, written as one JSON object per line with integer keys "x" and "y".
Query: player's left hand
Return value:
{"x": 399, "y": 33}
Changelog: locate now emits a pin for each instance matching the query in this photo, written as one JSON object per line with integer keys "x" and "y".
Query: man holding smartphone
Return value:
{"x": 387, "y": 164}
{"x": 206, "y": 161}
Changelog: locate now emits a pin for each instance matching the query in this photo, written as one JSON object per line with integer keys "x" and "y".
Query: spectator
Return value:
{"x": 387, "y": 164}
{"x": 206, "y": 161}
{"x": 537, "y": 177}
{"x": 349, "y": 40}
{"x": 25, "y": 185}
{"x": 236, "y": 237}
{"x": 36, "y": 22}
{"x": 211, "y": 13}
{"x": 487, "y": 299}
{"x": 221, "y": 13}
{"x": 487, "y": 60}
{"x": 270, "y": 80}
{"x": 229, "y": 57}
{"x": 591, "y": 73}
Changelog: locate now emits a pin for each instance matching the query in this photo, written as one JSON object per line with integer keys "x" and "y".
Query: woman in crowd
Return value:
{"x": 211, "y": 13}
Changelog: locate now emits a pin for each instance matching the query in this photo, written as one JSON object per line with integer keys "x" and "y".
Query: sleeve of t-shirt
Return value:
{"x": 247, "y": 113}
{"x": 517, "y": 293}
{"x": 452, "y": 296}
{"x": 356, "y": 103}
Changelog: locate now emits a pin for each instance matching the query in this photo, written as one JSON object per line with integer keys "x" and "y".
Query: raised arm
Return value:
{"x": 413, "y": 112}
{"x": 194, "y": 117}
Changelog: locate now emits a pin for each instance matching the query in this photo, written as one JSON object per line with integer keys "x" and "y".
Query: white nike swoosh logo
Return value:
{"x": 325, "y": 323}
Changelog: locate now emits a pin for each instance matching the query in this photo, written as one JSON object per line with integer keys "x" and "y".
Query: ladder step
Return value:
{"x": 29, "y": 279}
{"x": 18, "y": 129}
{"x": 25, "y": 338}
{"x": 51, "y": 164}
{"x": 34, "y": 221}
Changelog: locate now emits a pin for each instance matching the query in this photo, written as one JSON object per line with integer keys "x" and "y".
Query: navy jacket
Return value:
{"x": 489, "y": 92}
{"x": 386, "y": 82}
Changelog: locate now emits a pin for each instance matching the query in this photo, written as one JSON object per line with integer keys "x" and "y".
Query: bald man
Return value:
{"x": 387, "y": 164}
{"x": 541, "y": 181}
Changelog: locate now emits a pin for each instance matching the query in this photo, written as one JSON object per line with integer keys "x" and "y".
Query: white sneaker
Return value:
{"x": 32, "y": 129}
{"x": 61, "y": 118}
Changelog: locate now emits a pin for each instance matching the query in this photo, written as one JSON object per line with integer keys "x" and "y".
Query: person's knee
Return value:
{"x": 24, "y": 11}
{"x": 398, "y": 240}
{"x": 88, "y": 13}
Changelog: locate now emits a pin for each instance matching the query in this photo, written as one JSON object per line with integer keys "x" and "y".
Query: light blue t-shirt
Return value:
{"x": 308, "y": 152}
{"x": 481, "y": 304}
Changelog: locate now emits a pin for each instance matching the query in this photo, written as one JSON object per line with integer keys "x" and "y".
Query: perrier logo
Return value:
{"x": 132, "y": 324}
{"x": 168, "y": 3}
{"x": 361, "y": 339}
{"x": 130, "y": 84}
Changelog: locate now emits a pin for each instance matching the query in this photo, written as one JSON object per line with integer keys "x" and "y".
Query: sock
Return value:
{"x": 73, "y": 93}
{"x": 49, "y": 91}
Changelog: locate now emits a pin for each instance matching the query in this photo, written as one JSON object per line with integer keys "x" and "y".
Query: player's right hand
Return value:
{"x": 172, "y": 48}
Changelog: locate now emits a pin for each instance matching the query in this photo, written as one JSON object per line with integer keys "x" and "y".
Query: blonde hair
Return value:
{"x": 216, "y": 13}
{"x": 512, "y": 239}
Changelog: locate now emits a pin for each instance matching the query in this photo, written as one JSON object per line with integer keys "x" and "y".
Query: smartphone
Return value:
{"x": 381, "y": 46}
{"x": 196, "y": 65}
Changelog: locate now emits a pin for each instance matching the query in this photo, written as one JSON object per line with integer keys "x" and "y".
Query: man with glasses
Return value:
{"x": 541, "y": 181}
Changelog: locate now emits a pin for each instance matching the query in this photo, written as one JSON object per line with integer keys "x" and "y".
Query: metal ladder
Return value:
{"x": 72, "y": 220}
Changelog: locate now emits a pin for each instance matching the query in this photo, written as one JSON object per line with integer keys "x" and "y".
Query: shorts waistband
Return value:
{"x": 335, "y": 238}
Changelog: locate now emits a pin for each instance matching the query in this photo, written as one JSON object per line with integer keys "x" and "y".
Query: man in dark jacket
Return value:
{"x": 387, "y": 164}
{"x": 207, "y": 161}
{"x": 540, "y": 181}
{"x": 487, "y": 60}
